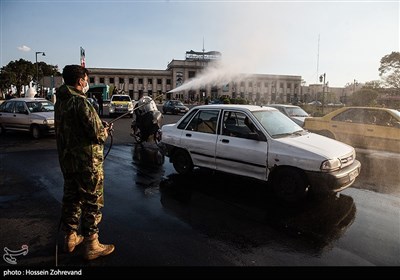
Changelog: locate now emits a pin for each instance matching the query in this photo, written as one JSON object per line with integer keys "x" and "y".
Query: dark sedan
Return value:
{"x": 174, "y": 107}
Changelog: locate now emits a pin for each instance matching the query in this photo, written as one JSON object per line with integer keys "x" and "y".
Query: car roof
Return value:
{"x": 236, "y": 106}
{"x": 282, "y": 105}
{"x": 27, "y": 99}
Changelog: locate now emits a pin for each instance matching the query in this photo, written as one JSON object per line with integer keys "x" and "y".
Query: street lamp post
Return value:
{"x": 37, "y": 68}
{"x": 322, "y": 78}
{"x": 354, "y": 85}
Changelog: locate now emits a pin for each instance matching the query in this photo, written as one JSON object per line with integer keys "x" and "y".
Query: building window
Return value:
{"x": 131, "y": 80}
{"x": 121, "y": 80}
{"x": 131, "y": 93}
{"x": 192, "y": 74}
{"x": 141, "y": 81}
{"x": 168, "y": 81}
{"x": 266, "y": 84}
{"x": 112, "y": 80}
{"x": 101, "y": 80}
{"x": 91, "y": 80}
{"x": 242, "y": 84}
{"x": 250, "y": 84}
{"x": 281, "y": 85}
{"x": 150, "y": 93}
{"x": 159, "y": 81}
{"x": 258, "y": 84}
{"x": 150, "y": 81}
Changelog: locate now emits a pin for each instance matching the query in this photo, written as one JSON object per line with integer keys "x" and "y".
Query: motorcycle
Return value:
{"x": 147, "y": 124}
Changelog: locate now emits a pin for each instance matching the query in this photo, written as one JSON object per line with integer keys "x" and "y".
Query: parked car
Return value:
{"x": 296, "y": 113}
{"x": 120, "y": 104}
{"x": 315, "y": 102}
{"x": 363, "y": 127}
{"x": 94, "y": 104}
{"x": 261, "y": 143}
{"x": 174, "y": 107}
{"x": 34, "y": 115}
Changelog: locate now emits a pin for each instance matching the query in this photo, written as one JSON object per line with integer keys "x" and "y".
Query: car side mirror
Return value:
{"x": 253, "y": 136}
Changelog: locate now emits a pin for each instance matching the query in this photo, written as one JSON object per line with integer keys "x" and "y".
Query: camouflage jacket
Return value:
{"x": 79, "y": 131}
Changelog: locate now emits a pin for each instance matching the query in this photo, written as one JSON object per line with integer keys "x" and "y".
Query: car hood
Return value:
{"x": 44, "y": 115}
{"x": 316, "y": 144}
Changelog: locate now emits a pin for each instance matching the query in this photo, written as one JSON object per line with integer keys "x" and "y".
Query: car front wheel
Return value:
{"x": 182, "y": 161}
{"x": 35, "y": 132}
{"x": 290, "y": 184}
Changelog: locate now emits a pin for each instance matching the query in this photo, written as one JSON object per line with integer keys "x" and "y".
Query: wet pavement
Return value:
{"x": 156, "y": 217}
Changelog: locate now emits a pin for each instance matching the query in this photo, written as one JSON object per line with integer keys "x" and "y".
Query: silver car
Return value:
{"x": 296, "y": 113}
{"x": 34, "y": 115}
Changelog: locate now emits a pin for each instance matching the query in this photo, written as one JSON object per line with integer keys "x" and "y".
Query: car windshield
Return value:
{"x": 121, "y": 98}
{"x": 40, "y": 106}
{"x": 176, "y": 103}
{"x": 296, "y": 112}
{"x": 277, "y": 124}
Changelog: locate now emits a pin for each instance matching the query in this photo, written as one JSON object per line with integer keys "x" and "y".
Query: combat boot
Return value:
{"x": 72, "y": 240}
{"x": 94, "y": 249}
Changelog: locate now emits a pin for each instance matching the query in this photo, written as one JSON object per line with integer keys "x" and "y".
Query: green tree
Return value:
{"x": 389, "y": 70}
{"x": 365, "y": 97}
{"x": 21, "y": 72}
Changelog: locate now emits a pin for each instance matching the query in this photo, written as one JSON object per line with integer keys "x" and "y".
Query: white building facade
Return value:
{"x": 255, "y": 88}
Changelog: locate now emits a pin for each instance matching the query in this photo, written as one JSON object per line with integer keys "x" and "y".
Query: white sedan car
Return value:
{"x": 261, "y": 143}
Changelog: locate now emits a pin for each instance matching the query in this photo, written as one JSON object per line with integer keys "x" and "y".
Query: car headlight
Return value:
{"x": 331, "y": 164}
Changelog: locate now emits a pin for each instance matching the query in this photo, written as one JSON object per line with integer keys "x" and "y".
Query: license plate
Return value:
{"x": 353, "y": 174}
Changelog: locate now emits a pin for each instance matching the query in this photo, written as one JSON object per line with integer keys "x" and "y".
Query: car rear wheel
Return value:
{"x": 290, "y": 184}
{"x": 35, "y": 132}
{"x": 182, "y": 161}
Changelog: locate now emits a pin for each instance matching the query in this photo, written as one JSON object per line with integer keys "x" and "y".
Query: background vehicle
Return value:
{"x": 261, "y": 143}
{"x": 120, "y": 104}
{"x": 94, "y": 104}
{"x": 174, "y": 107}
{"x": 35, "y": 115}
{"x": 362, "y": 127}
{"x": 99, "y": 91}
{"x": 296, "y": 113}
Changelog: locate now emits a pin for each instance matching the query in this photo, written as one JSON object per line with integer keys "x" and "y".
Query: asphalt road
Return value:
{"x": 160, "y": 219}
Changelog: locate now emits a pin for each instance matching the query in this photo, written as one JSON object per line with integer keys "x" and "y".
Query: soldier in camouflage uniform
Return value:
{"x": 80, "y": 137}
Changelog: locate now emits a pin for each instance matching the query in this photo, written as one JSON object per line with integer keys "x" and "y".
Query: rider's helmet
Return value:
{"x": 146, "y": 104}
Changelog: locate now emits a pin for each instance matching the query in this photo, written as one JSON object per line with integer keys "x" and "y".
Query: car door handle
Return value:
{"x": 188, "y": 135}
{"x": 225, "y": 141}
{"x": 14, "y": 115}
{"x": 369, "y": 129}
{"x": 334, "y": 125}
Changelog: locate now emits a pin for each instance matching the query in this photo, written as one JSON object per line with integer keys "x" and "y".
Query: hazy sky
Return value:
{"x": 264, "y": 37}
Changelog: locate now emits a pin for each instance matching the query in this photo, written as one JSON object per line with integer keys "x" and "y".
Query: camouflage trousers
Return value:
{"x": 83, "y": 198}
